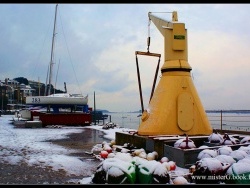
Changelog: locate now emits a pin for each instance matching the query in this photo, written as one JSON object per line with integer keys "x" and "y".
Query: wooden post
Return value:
{"x": 94, "y": 109}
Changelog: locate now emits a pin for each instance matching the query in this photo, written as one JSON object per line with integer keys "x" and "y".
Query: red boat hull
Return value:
{"x": 70, "y": 119}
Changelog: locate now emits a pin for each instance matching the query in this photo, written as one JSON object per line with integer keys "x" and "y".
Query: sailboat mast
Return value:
{"x": 56, "y": 77}
{"x": 52, "y": 53}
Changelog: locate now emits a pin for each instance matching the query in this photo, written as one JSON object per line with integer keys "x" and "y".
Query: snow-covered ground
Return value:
{"x": 27, "y": 145}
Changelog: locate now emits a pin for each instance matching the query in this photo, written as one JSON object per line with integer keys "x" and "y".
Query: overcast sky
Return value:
{"x": 96, "y": 44}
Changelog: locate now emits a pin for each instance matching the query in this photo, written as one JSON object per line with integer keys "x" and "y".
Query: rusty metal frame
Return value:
{"x": 138, "y": 74}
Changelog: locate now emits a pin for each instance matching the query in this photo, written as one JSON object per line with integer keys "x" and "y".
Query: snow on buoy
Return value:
{"x": 192, "y": 169}
{"x": 172, "y": 165}
{"x": 111, "y": 155}
{"x": 104, "y": 142}
{"x": 166, "y": 165}
{"x": 207, "y": 167}
{"x": 129, "y": 146}
{"x": 114, "y": 171}
{"x": 207, "y": 153}
{"x": 124, "y": 156}
{"x": 125, "y": 150}
{"x": 203, "y": 147}
{"x": 107, "y": 148}
{"x": 104, "y": 154}
{"x": 115, "y": 175}
{"x": 99, "y": 177}
{"x": 184, "y": 143}
{"x": 143, "y": 155}
{"x": 155, "y": 154}
{"x": 137, "y": 152}
{"x": 229, "y": 140}
{"x": 245, "y": 160}
{"x": 112, "y": 142}
{"x": 150, "y": 156}
{"x": 160, "y": 175}
{"x": 143, "y": 150}
{"x": 179, "y": 180}
{"x": 164, "y": 159}
{"x": 225, "y": 159}
{"x": 215, "y": 137}
{"x": 224, "y": 150}
{"x": 240, "y": 170}
{"x": 238, "y": 154}
{"x": 97, "y": 148}
{"x": 245, "y": 140}
{"x": 245, "y": 148}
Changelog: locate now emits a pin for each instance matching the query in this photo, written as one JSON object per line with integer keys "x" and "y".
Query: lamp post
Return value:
{"x": 2, "y": 98}
{"x": 94, "y": 109}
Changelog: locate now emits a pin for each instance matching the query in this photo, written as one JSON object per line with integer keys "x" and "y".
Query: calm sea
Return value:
{"x": 226, "y": 121}
{"x": 126, "y": 120}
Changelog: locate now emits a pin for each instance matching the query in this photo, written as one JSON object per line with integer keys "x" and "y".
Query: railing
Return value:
{"x": 230, "y": 120}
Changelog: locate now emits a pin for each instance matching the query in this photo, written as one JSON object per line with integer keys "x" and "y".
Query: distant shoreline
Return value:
{"x": 207, "y": 111}
{"x": 228, "y": 111}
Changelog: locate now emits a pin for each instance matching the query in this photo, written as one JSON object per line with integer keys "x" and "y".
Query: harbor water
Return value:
{"x": 224, "y": 121}
{"x": 123, "y": 119}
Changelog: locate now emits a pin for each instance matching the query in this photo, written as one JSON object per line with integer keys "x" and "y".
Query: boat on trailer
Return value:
{"x": 57, "y": 108}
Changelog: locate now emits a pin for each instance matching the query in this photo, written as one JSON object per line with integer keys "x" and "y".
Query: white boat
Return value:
{"x": 59, "y": 99}
{"x": 62, "y": 98}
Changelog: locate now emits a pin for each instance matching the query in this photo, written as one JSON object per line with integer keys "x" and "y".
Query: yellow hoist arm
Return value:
{"x": 175, "y": 36}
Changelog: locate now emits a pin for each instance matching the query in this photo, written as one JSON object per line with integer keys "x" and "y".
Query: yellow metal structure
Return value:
{"x": 175, "y": 107}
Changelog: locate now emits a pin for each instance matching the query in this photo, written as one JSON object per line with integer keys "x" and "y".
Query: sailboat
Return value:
{"x": 68, "y": 109}
{"x": 60, "y": 99}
